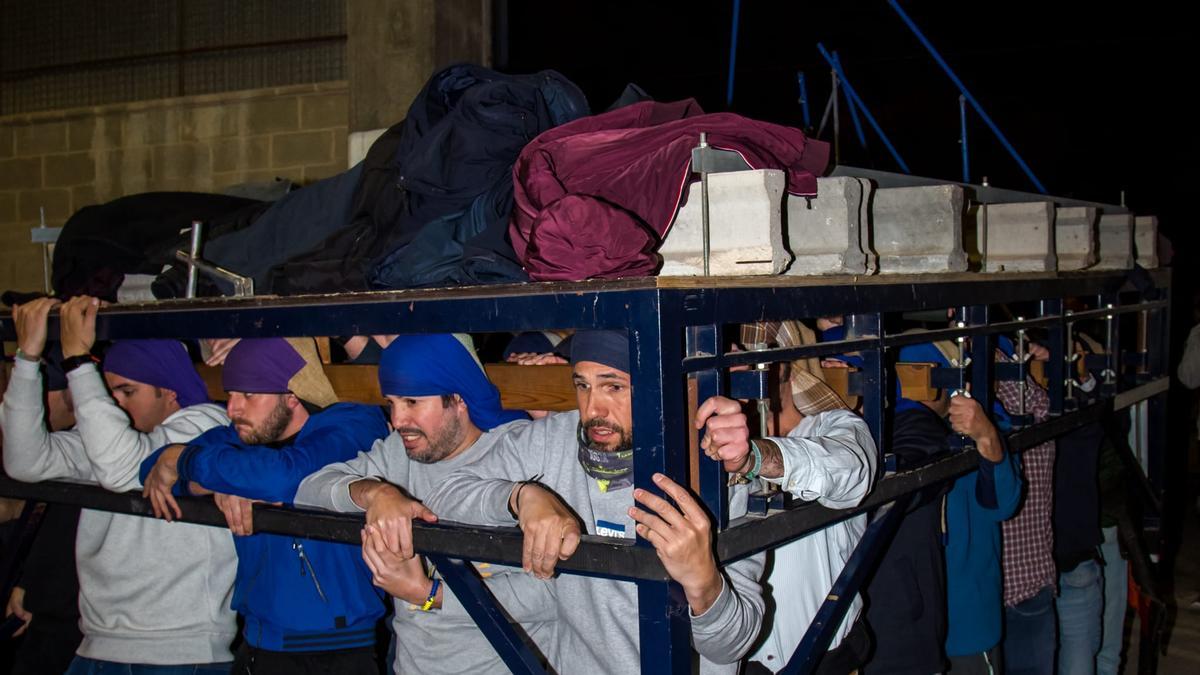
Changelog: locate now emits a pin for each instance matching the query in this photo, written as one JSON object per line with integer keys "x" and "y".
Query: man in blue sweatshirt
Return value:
{"x": 975, "y": 507}
{"x": 309, "y": 606}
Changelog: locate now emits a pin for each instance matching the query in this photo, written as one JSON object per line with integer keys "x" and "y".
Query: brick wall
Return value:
{"x": 64, "y": 160}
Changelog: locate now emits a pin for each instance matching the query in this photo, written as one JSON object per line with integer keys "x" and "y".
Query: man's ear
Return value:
{"x": 293, "y": 401}
{"x": 170, "y": 395}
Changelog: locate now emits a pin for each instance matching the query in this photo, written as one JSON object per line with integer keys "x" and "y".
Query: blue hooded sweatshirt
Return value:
{"x": 297, "y": 595}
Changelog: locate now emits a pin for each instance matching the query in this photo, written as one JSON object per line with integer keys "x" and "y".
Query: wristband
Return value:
{"x": 72, "y": 362}
{"x": 25, "y": 357}
{"x": 437, "y": 583}
{"x": 758, "y": 457}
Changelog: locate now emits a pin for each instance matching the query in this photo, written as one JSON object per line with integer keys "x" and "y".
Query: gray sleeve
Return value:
{"x": 329, "y": 488}
{"x": 1189, "y": 364}
{"x": 524, "y": 597}
{"x": 725, "y": 633}
{"x": 31, "y": 453}
{"x": 831, "y": 460}
{"x": 477, "y": 494}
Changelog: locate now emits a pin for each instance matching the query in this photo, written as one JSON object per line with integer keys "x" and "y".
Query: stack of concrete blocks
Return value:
{"x": 1145, "y": 240}
{"x": 1075, "y": 237}
{"x": 828, "y": 233}
{"x": 745, "y": 227}
{"x": 1116, "y": 241}
{"x": 919, "y": 229}
{"x": 1019, "y": 237}
{"x": 975, "y": 236}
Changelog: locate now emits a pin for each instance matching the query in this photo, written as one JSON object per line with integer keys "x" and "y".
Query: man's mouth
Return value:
{"x": 410, "y": 436}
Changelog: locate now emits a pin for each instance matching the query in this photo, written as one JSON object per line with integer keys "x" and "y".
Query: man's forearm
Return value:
{"x": 772, "y": 459}
{"x": 990, "y": 447}
{"x": 362, "y": 492}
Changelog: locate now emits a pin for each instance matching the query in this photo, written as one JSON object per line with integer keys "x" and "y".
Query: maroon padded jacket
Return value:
{"x": 594, "y": 197}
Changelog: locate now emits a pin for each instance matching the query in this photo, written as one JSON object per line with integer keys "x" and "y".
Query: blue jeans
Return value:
{"x": 82, "y": 665}
{"x": 1116, "y": 597}
{"x": 1080, "y": 605}
{"x": 1029, "y": 635}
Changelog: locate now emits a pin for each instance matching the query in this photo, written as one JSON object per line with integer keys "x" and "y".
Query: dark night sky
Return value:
{"x": 1091, "y": 95}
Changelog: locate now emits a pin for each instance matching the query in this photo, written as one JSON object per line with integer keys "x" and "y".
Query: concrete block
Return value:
{"x": 41, "y": 137}
{"x": 7, "y": 143}
{"x": 8, "y": 207}
{"x": 209, "y": 121}
{"x": 322, "y": 111}
{"x": 1145, "y": 240}
{"x": 1115, "y": 235}
{"x": 22, "y": 173}
{"x": 182, "y": 162}
{"x": 57, "y": 203}
{"x": 83, "y": 195}
{"x": 271, "y": 115}
{"x": 80, "y": 133}
{"x": 76, "y": 168}
{"x": 148, "y": 127}
{"x": 243, "y": 152}
{"x": 359, "y": 143}
{"x": 300, "y": 148}
{"x": 1075, "y": 237}
{"x": 919, "y": 229}
{"x": 745, "y": 224}
{"x": 1020, "y": 237}
{"x": 824, "y": 232}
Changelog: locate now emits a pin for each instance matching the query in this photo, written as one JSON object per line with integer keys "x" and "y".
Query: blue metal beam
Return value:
{"x": 862, "y": 137}
{"x": 852, "y": 94}
{"x": 962, "y": 88}
{"x": 462, "y": 578}
{"x": 803, "y": 99}
{"x": 733, "y": 46}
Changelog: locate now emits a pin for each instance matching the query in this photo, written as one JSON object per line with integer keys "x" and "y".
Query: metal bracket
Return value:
{"x": 705, "y": 160}
{"x": 242, "y": 286}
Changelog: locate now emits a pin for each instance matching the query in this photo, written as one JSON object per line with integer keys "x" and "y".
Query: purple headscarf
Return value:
{"x": 161, "y": 363}
{"x": 261, "y": 366}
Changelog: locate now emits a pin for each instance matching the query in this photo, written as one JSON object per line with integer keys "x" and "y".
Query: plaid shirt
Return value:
{"x": 1029, "y": 535}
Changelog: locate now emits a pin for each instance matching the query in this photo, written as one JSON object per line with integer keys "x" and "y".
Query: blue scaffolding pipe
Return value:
{"x": 737, "y": 12}
{"x": 862, "y": 137}
{"x": 803, "y": 98}
{"x": 962, "y": 120}
{"x": 962, "y": 88}
{"x": 851, "y": 94}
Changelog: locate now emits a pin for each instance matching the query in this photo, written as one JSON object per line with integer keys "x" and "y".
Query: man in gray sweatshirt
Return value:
{"x": 445, "y": 414}
{"x": 584, "y": 461}
{"x": 151, "y": 593}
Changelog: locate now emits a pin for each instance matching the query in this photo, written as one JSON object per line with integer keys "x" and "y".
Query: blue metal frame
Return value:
{"x": 675, "y": 331}
{"x": 852, "y": 95}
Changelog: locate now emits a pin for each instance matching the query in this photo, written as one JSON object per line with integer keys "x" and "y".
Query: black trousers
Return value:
{"x": 47, "y": 647}
{"x": 849, "y": 656}
{"x": 252, "y": 661}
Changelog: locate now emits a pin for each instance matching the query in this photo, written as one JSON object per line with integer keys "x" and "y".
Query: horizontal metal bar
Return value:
{"x": 751, "y": 535}
{"x": 596, "y": 555}
{"x": 1141, "y": 393}
{"x": 923, "y": 337}
{"x": 749, "y": 358}
{"x": 1105, "y": 312}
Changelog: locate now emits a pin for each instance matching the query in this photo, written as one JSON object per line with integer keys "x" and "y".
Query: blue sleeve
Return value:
{"x": 259, "y": 472}
{"x": 998, "y": 486}
{"x": 180, "y": 489}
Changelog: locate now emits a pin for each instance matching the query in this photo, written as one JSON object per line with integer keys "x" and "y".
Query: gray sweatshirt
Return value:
{"x": 445, "y": 640}
{"x": 150, "y": 591}
{"x": 598, "y": 618}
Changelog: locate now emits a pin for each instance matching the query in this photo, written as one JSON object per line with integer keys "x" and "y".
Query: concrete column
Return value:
{"x": 1116, "y": 241}
{"x": 1020, "y": 237}
{"x": 825, "y": 232}
{"x": 919, "y": 229}
{"x": 745, "y": 227}
{"x": 393, "y": 47}
{"x": 1145, "y": 240}
{"x": 1075, "y": 237}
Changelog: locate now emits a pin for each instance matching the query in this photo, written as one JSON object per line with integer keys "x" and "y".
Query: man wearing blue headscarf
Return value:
{"x": 572, "y": 472}
{"x": 150, "y": 593}
{"x": 445, "y": 414}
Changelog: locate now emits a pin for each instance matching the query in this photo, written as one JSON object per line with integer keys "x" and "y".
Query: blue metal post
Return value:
{"x": 850, "y": 93}
{"x": 862, "y": 138}
{"x": 733, "y": 38}
{"x": 862, "y": 561}
{"x": 982, "y": 360}
{"x": 962, "y": 119}
{"x": 659, "y": 446}
{"x": 874, "y": 375}
{"x": 1056, "y": 367}
{"x": 962, "y": 88}
{"x": 481, "y": 605}
{"x": 803, "y": 98}
{"x": 713, "y": 488}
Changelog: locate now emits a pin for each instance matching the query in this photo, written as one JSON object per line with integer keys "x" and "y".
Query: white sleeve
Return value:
{"x": 830, "y": 458}
{"x": 1189, "y": 364}
{"x": 329, "y": 488}
{"x": 31, "y": 453}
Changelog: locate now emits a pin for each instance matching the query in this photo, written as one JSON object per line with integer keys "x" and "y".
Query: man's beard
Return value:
{"x": 625, "y": 442}
{"x": 438, "y": 447}
{"x": 272, "y": 428}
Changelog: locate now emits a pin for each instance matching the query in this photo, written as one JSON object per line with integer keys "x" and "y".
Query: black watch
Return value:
{"x": 72, "y": 362}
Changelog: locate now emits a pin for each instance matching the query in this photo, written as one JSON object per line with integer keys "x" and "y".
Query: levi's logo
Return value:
{"x": 607, "y": 529}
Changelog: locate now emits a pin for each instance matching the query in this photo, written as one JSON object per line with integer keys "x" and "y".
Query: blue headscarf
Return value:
{"x": 928, "y": 353}
{"x": 161, "y": 363}
{"x": 439, "y": 365}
